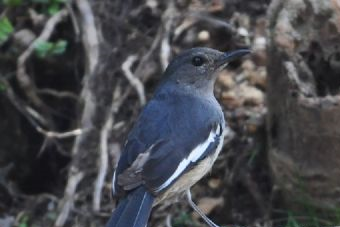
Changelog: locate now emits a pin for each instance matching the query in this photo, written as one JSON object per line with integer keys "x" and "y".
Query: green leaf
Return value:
{"x": 2, "y": 87}
{"x": 6, "y": 29}
{"x": 59, "y": 47}
{"x": 12, "y": 2}
{"x": 292, "y": 222}
{"x": 23, "y": 222}
{"x": 42, "y": 48}
{"x": 183, "y": 219}
{"x": 53, "y": 8}
{"x": 41, "y": 1}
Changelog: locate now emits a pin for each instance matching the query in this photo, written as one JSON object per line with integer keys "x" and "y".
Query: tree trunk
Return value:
{"x": 303, "y": 99}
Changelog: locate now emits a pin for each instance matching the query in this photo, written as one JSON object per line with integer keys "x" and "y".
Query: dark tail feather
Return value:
{"x": 117, "y": 213}
{"x": 133, "y": 211}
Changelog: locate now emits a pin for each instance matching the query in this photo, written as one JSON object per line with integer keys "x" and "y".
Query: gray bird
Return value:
{"x": 175, "y": 140}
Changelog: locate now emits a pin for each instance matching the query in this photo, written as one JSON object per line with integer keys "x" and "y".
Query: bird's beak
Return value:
{"x": 231, "y": 56}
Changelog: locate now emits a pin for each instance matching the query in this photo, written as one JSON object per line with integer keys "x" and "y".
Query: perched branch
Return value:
{"x": 134, "y": 81}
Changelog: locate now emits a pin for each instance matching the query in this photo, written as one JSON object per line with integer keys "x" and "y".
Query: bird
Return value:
{"x": 175, "y": 139}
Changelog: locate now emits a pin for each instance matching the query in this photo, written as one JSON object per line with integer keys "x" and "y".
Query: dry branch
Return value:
{"x": 134, "y": 81}
{"x": 60, "y": 135}
{"x": 67, "y": 202}
{"x": 118, "y": 100}
{"x": 90, "y": 36}
{"x": 168, "y": 21}
{"x": 58, "y": 94}
{"x": 90, "y": 42}
{"x": 103, "y": 163}
{"x": 23, "y": 78}
{"x": 213, "y": 21}
{"x": 32, "y": 116}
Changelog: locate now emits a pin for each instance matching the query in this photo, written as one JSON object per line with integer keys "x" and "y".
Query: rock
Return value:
{"x": 258, "y": 78}
{"x": 251, "y": 95}
{"x": 208, "y": 204}
{"x": 24, "y": 37}
{"x": 7, "y": 221}
{"x": 226, "y": 79}
{"x": 204, "y": 36}
{"x": 214, "y": 183}
{"x": 230, "y": 99}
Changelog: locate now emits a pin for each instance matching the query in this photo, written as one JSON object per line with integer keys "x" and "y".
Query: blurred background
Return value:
{"x": 74, "y": 75}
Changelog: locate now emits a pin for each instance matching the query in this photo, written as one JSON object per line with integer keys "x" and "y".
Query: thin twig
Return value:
{"x": 32, "y": 116}
{"x": 185, "y": 25}
{"x": 213, "y": 21}
{"x": 68, "y": 198}
{"x": 35, "y": 115}
{"x": 146, "y": 57}
{"x": 103, "y": 163}
{"x": 60, "y": 135}
{"x": 117, "y": 101}
{"x": 168, "y": 221}
{"x": 90, "y": 36}
{"x": 23, "y": 78}
{"x": 90, "y": 40}
{"x": 73, "y": 18}
{"x": 167, "y": 20}
{"x": 134, "y": 81}
{"x": 58, "y": 94}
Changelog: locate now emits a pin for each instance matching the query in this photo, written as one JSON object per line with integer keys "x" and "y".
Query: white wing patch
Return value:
{"x": 194, "y": 155}
{"x": 113, "y": 183}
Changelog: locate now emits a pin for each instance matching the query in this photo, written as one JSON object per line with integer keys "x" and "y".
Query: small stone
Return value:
{"x": 24, "y": 37}
{"x": 204, "y": 36}
{"x": 260, "y": 43}
{"x": 251, "y": 95}
{"x": 251, "y": 128}
{"x": 258, "y": 78}
{"x": 248, "y": 65}
{"x": 208, "y": 204}
{"x": 226, "y": 79}
{"x": 214, "y": 183}
{"x": 243, "y": 32}
{"x": 152, "y": 4}
{"x": 230, "y": 99}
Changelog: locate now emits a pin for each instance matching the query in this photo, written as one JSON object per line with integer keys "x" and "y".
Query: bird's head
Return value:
{"x": 199, "y": 67}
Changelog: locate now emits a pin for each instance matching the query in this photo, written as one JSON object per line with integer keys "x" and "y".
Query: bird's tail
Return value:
{"x": 133, "y": 211}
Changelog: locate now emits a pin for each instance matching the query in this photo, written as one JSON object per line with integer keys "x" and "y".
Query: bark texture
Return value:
{"x": 303, "y": 99}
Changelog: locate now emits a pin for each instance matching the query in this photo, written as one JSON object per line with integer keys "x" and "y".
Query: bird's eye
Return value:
{"x": 197, "y": 61}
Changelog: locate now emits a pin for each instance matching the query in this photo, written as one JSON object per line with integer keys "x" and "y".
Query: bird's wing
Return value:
{"x": 171, "y": 135}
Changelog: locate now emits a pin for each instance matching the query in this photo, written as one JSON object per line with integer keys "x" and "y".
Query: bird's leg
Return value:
{"x": 199, "y": 211}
